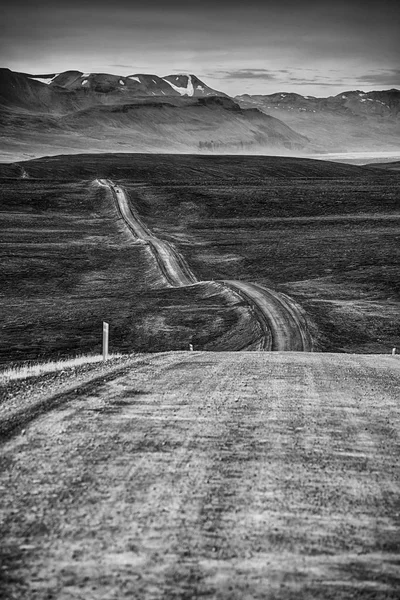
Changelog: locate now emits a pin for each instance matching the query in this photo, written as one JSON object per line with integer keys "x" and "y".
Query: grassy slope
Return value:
{"x": 67, "y": 264}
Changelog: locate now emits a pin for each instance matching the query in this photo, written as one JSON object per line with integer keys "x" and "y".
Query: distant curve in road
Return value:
{"x": 280, "y": 317}
{"x": 173, "y": 266}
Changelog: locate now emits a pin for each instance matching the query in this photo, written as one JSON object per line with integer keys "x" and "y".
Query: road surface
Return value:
{"x": 280, "y": 317}
{"x": 172, "y": 264}
{"x": 221, "y": 476}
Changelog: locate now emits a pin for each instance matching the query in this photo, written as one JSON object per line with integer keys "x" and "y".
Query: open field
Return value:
{"x": 323, "y": 233}
{"x": 68, "y": 263}
{"x": 332, "y": 245}
{"x": 213, "y": 475}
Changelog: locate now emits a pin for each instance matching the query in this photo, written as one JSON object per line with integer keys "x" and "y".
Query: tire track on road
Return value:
{"x": 280, "y": 317}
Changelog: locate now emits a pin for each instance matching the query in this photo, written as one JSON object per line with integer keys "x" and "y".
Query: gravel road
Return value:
{"x": 210, "y": 475}
{"x": 173, "y": 266}
{"x": 279, "y": 316}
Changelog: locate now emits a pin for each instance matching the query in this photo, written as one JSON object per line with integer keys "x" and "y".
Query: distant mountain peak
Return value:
{"x": 137, "y": 84}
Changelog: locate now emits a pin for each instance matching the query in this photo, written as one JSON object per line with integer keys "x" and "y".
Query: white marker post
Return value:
{"x": 191, "y": 347}
{"x": 393, "y": 351}
{"x": 105, "y": 340}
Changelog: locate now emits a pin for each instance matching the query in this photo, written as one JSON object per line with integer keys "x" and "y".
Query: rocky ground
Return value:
{"x": 213, "y": 475}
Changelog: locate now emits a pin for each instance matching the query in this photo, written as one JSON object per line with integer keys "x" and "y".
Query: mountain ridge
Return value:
{"x": 351, "y": 120}
{"x": 74, "y": 111}
{"x": 78, "y": 111}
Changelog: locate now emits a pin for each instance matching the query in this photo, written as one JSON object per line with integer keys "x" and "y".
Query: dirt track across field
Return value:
{"x": 280, "y": 317}
{"x": 172, "y": 265}
{"x": 228, "y": 476}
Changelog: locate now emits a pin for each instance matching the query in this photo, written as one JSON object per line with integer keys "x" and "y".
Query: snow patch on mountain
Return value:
{"x": 187, "y": 91}
{"x": 121, "y": 82}
{"x": 46, "y": 80}
{"x": 134, "y": 78}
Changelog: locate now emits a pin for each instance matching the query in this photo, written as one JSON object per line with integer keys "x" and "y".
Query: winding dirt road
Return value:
{"x": 280, "y": 317}
{"x": 173, "y": 266}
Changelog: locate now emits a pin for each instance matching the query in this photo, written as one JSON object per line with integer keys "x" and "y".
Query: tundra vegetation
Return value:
{"x": 323, "y": 233}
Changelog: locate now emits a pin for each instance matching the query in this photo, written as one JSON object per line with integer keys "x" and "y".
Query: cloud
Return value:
{"x": 122, "y": 66}
{"x": 385, "y": 77}
{"x": 261, "y": 74}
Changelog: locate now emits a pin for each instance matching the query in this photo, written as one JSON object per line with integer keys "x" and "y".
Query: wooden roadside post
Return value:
{"x": 105, "y": 340}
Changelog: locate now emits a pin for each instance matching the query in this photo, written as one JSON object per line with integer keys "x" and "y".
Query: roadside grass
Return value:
{"x": 36, "y": 369}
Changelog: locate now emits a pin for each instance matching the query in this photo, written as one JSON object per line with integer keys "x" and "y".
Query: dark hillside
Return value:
{"x": 388, "y": 166}
{"x": 154, "y": 168}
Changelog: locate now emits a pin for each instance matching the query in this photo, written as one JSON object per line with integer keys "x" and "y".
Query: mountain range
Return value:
{"x": 350, "y": 121}
{"x": 93, "y": 112}
{"x": 73, "y": 111}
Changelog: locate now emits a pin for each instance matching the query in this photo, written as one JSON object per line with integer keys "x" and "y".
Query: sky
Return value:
{"x": 309, "y": 47}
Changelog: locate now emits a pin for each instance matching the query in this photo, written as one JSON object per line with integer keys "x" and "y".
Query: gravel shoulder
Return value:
{"x": 213, "y": 475}
{"x": 22, "y": 400}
